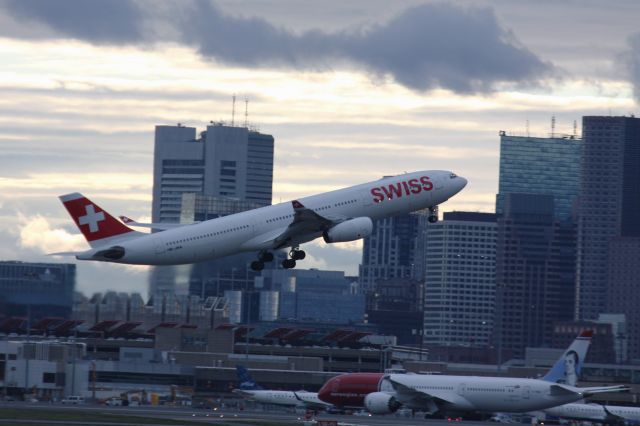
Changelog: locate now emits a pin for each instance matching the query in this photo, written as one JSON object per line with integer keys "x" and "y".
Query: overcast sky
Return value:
{"x": 351, "y": 91}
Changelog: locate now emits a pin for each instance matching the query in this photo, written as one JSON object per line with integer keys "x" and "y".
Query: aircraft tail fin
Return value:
{"x": 245, "y": 382}
{"x": 567, "y": 368}
{"x": 97, "y": 226}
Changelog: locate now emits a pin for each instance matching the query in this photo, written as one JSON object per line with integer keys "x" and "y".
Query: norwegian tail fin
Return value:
{"x": 567, "y": 368}
{"x": 245, "y": 382}
{"x": 97, "y": 226}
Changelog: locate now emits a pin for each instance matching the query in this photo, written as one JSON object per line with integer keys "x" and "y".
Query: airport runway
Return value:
{"x": 231, "y": 416}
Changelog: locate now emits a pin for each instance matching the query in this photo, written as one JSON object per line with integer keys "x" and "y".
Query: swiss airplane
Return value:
{"x": 337, "y": 216}
{"x": 385, "y": 393}
{"x": 249, "y": 390}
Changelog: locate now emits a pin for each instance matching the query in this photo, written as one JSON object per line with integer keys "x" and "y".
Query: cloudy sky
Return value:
{"x": 350, "y": 90}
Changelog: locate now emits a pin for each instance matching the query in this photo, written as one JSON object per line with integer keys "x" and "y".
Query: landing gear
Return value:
{"x": 263, "y": 257}
{"x": 294, "y": 254}
{"x": 288, "y": 264}
{"x": 256, "y": 265}
{"x": 433, "y": 214}
{"x": 266, "y": 257}
{"x": 297, "y": 254}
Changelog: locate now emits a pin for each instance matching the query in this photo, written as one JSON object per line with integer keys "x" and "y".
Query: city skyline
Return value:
{"x": 79, "y": 106}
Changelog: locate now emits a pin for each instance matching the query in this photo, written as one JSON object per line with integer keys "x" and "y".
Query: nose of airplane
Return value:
{"x": 462, "y": 182}
{"x": 325, "y": 391}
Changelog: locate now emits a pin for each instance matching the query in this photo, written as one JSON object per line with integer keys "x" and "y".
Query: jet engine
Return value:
{"x": 381, "y": 403}
{"x": 349, "y": 230}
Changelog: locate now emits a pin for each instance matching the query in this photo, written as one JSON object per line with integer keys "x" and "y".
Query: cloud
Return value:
{"x": 111, "y": 22}
{"x": 36, "y": 233}
{"x": 633, "y": 63}
{"x": 434, "y": 45}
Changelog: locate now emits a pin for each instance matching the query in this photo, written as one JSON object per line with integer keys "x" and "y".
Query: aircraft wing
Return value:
{"x": 159, "y": 226}
{"x": 305, "y": 222}
{"x": 312, "y": 404}
{"x": 612, "y": 418}
{"x": 430, "y": 401}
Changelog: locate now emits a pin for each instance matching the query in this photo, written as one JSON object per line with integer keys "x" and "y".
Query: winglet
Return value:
{"x": 297, "y": 205}
{"x": 126, "y": 220}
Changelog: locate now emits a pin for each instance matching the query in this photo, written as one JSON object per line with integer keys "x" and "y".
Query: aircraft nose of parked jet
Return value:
{"x": 325, "y": 391}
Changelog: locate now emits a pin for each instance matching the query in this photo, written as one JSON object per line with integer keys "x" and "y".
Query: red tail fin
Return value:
{"x": 94, "y": 223}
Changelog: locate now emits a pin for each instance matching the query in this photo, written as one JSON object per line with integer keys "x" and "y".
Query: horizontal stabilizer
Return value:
{"x": 604, "y": 389}
{"x": 66, "y": 253}
{"x": 160, "y": 226}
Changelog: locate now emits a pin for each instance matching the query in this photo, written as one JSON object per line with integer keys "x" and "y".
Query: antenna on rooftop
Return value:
{"x": 553, "y": 126}
{"x": 233, "y": 111}
{"x": 246, "y": 112}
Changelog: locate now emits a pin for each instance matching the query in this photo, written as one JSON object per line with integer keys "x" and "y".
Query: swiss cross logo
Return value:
{"x": 91, "y": 218}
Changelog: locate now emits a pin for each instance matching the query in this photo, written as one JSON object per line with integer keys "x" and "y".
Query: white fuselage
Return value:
{"x": 256, "y": 229}
{"x": 595, "y": 412}
{"x": 486, "y": 394}
{"x": 286, "y": 398}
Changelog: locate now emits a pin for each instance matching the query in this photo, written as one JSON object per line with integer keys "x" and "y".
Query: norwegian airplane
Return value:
{"x": 337, "y": 216}
{"x": 386, "y": 393}
{"x": 250, "y": 390}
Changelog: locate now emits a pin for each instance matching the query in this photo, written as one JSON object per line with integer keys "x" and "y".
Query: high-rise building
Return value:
{"x": 36, "y": 290}
{"x": 459, "y": 292}
{"x": 311, "y": 295}
{"x": 227, "y": 166}
{"x": 609, "y": 206}
{"x": 535, "y": 272}
{"x": 622, "y": 294}
{"x": 395, "y": 249}
{"x": 540, "y": 166}
{"x": 230, "y": 162}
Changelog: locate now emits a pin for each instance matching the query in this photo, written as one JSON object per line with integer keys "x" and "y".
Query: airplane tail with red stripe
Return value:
{"x": 97, "y": 226}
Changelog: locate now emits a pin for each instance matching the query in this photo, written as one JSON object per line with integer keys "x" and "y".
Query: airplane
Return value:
{"x": 337, "y": 216}
{"x": 250, "y": 390}
{"x": 385, "y": 393}
{"x": 609, "y": 414}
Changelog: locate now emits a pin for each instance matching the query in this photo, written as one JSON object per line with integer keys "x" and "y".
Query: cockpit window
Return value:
{"x": 453, "y": 175}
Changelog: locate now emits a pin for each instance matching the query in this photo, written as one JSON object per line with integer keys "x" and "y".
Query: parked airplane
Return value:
{"x": 386, "y": 393}
{"x": 250, "y": 390}
{"x": 609, "y": 414}
{"x": 337, "y": 216}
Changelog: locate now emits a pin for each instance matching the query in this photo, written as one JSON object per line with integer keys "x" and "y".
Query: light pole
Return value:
{"x": 246, "y": 345}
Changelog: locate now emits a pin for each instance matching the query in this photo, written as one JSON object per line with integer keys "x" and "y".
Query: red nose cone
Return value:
{"x": 349, "y": 390}
{"x": 325, "y": 391}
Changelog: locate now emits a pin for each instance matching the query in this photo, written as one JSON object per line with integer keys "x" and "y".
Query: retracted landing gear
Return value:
{"x": 263, "y": 257}
{"x": 294, "y": 254}
{"x": 433, "y": 214}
